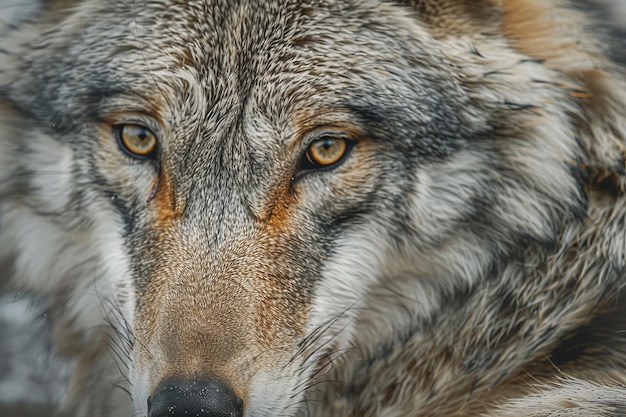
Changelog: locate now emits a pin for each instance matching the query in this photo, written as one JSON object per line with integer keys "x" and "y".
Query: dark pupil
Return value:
{"x": 326, "y": 146}
{"x": 142, "y": 134}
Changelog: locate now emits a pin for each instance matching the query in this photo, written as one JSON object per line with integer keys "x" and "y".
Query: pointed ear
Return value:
{"x": 572, "y": 43}
{"x": 549, "y": 30}
{"x": 541, "y": 29}
{"x": 569, "y": 41}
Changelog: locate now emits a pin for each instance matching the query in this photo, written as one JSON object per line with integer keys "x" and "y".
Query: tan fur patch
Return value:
{"x": 164, "y": 198}
{"x": 450, "y": 18}
{"x": 543, "y": 30}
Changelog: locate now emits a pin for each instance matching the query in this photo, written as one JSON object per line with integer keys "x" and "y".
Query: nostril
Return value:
{"x": 198, "y": 398}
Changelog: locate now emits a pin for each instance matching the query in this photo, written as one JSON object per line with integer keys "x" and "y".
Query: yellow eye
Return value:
{"x": 326, "y": 152}
{"x": 136, "y": 140}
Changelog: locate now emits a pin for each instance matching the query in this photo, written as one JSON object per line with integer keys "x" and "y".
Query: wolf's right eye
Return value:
{"x": 136, "y": 141}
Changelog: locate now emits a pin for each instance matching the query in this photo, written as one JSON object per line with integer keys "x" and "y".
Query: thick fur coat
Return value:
{"x": 328, "y": 208}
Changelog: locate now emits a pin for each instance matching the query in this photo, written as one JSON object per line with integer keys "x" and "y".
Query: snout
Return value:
{"x": 177, "y": 397}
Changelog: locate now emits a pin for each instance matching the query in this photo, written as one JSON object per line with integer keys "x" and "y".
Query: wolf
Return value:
{"x": 321, "y": 208}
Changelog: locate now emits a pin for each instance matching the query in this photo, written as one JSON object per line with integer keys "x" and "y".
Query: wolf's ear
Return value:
{"x": 542, "y": 29}
{"x": 570, "y": 42}
{"x": 529, "y": 26}
{"x": 557, "y": 36}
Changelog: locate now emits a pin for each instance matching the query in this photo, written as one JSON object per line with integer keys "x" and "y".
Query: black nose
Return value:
{"x": 177, "y": 397}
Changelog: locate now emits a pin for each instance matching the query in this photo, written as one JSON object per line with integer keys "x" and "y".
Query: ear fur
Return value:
{"x": 557, "y": 35}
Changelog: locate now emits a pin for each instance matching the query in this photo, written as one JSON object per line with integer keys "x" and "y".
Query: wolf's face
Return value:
{"x": 244, "y": 177}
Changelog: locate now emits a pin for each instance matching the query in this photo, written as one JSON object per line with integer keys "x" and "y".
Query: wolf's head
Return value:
{"x": 257, "y": 188}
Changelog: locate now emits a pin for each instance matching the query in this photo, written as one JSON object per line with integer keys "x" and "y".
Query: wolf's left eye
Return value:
{"x": 325, "y": 153}
{"x": 136, "y": 141}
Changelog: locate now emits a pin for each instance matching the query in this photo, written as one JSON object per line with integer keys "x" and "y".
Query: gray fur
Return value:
{"x": 465, "y": 259}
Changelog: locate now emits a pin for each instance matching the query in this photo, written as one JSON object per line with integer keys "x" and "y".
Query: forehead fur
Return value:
{"x": 234, "y": 86}
{"x": 215, "y": 58}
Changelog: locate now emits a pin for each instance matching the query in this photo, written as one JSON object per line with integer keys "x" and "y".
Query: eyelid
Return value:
{"x": 136, "y": 118}
{"x": 118, "y": 133}
{"x": 300, "y": 172}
